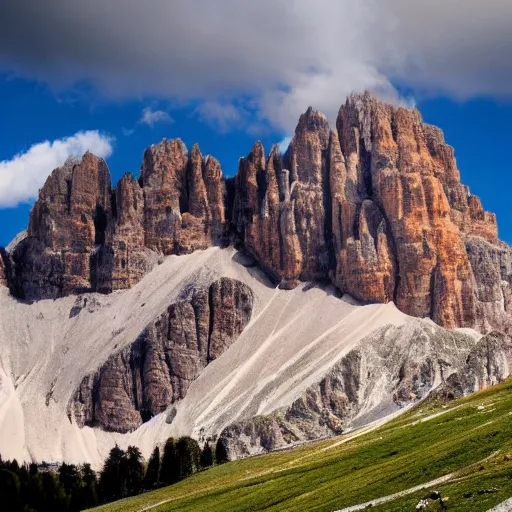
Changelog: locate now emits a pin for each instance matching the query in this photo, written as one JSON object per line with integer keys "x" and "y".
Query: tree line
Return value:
{"x": 33, "y": 488}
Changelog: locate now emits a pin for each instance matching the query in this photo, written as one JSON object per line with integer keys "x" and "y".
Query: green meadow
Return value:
{"x": 469, "y": 441}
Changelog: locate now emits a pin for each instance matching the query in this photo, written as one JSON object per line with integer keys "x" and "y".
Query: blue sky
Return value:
{"x": 116, "y": 77}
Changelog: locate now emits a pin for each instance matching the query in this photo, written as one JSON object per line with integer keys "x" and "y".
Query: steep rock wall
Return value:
{"x": 375, "y": 206}
{"x": 144, "y": 378}
{"x": 84, "y": 236}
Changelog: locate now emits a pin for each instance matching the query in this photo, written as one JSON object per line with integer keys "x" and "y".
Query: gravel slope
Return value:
{"x": 45, "y": 351}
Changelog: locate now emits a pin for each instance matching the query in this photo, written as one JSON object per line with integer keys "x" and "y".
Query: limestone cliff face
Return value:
{"x": 183, "y": 199}
{"x": 131, "y": 260}
{"x": 66, "y": 231}
{"x": 410, "y": 174}
{"x": 492, "y": 269}
{"x": 375, "y": 206}
{"x": 144, "y": 378}
{"x": 393, "y": 367}
{"x": 84, "y": 236}
{"x": 405, "y": 181}
{"x": 264, "y": 214}
{"x": 488, "y": 363}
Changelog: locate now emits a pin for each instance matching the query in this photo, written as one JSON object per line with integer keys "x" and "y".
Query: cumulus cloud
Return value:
{"x": 151, "y": 117}
{"x": 23, "y": 175}
{"x": 279, "y": 56}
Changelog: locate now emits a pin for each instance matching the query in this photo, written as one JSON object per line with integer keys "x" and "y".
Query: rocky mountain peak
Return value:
{"x": 312, "y": 121}
{"x": 375, "y": 206}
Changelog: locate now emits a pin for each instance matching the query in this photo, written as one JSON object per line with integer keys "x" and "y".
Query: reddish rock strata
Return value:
{"x": 375, "y": 206}
{"x": 83, "y": 236}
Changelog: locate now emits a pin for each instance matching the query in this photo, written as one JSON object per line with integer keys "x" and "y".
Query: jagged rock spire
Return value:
{"x": 375, "y": 206}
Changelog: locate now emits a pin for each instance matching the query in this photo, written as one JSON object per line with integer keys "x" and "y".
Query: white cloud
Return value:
{"x": 151, "y": 117}
{"x": 23, "y": 175}
{"x": 272, "y": 58}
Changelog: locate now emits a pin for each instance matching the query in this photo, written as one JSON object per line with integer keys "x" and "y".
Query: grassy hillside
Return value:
{"x": 471, "y": 438}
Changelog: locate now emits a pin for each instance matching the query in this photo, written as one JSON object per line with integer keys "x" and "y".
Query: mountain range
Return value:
{"x": 318, "y": 290}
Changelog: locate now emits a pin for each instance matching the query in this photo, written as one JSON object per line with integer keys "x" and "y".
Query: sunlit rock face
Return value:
{"x": 183, "y": 199}
{"x": 85, "y": 236}
{"x": 62, "y": 252}
{"x": 374, "y": 206}
{"x": 388, "y": 150}
{"x": 377, "y": 207}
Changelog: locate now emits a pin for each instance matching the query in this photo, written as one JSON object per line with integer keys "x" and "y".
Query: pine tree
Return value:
{"x": 88, "y": 494}
{"x": 221, "y": 452}
{"x": 169, "y": 468}
{"x": 33, "y": 469}
{"x": 13, "y": 466}
{"x": 113, "y": 476}
{"x": 134, "y": 470}
{"x": 24, "y": 478}
{"x": 153, "y": 469}
{"x": 189, "y": 455}
{"x": 207, "y": 456}
{"x": 71, "y": 481}
{"x": 10, "y": 491}
{"x": 54, "y": 496}
{"x": 35, "y": 489}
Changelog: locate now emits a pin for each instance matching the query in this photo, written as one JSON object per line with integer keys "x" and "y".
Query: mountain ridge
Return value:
{"x": 375, "y": 206}
{"x": 314, "y": 291}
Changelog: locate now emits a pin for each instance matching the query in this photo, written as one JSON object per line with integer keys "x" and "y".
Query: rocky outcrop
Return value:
{"x": 492, "y": 269}
{"x": 66, "y": 230}
{"x": 131, "y": 259}
{"x": 144, "y": 378}
{"x": 83, "y": 236}
{"x": 230, "y": 311}
{"x": 393, "y": 367}
{"x": 264, "y": 214}
{"x": 434, "y": 274}
{"x": 183, "y": 199}
{"x": 487, "y": 364}
{"x": 375, "y": 206}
